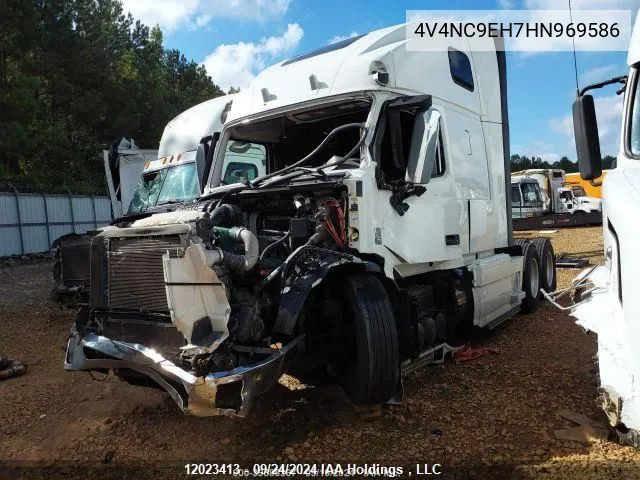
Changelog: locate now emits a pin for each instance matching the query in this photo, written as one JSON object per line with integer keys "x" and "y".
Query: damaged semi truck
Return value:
{"x": 141, "y": 181}
{"x": 605, "y": 297}
{"x": 377, "y": 238}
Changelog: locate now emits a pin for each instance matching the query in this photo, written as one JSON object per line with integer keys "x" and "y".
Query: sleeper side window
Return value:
{"x": 460, "y": 67}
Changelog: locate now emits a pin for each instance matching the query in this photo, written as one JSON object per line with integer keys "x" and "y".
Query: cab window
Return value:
{"x": 460, "y": 67}
{"x": 243, "y": 161}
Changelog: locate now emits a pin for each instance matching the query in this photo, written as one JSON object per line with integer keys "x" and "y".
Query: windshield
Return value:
{"x": 515, "y": 195}
{"x": 578, "y": 191}
{"x": 566, "y": 195}
{"x": 179, "y": 183}
{"x": 147, "y": 191}
{"x": 531, "y": 194}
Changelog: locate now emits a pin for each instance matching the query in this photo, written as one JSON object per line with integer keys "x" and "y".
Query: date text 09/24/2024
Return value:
{"x": 310, "y": 470}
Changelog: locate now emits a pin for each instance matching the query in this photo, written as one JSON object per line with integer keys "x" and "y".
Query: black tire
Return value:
{"x": 371, "y": 373}
{"x": 547, "y": 264}
{"x": 530, "y": 278}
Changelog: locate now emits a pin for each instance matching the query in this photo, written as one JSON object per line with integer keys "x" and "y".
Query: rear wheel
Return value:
{"x": 530, "y": 276}
{"x": 547, "y": 264}
{"x": 372, "y": 366}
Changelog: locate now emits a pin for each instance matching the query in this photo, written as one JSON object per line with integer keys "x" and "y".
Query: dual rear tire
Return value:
{"x": 539, "y": 271}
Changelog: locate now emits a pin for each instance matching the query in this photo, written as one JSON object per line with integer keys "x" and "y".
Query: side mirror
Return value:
{"x": 424, "y": 147}
{"x": 585, "y": 127}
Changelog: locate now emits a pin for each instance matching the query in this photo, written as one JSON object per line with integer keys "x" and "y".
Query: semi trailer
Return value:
{"x": 584, "y": 188}
{"x": 141, "y": 181}
{"x": 605, "y": 297}
{"x": 376, "y": 239}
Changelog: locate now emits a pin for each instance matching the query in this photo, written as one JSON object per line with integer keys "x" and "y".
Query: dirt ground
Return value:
{"x": 493, "y": 417}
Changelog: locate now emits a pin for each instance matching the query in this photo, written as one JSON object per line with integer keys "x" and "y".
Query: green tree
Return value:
{"x": 74, "y": 76}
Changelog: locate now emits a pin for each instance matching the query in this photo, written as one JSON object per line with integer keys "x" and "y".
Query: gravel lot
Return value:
{"x": 492, "y": 417}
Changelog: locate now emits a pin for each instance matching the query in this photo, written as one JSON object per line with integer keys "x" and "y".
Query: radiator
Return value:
{"x": 135, "y": 275}
{"x": 74, "y": 258}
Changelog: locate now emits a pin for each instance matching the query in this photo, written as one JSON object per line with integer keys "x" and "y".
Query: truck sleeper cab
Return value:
{"x": 377, "y": 238}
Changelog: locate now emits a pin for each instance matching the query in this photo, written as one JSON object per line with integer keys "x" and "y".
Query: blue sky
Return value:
{"x": 235, "y": 39}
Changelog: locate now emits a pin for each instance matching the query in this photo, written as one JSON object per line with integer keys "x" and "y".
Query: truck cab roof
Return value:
{"x": 380, "y": 60}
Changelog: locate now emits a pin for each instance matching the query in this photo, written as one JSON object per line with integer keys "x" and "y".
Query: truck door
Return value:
{"x": 412, "y": 150}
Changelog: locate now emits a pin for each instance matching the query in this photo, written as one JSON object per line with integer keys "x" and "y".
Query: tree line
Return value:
{"x": 523, "y": 162}
{"x": 75, "y": 75}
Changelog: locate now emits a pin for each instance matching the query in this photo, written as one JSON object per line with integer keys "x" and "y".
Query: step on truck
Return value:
{"x": 379, "y": 236}
{"x": 141, "y": 181}
{"x": 605, "y": 299}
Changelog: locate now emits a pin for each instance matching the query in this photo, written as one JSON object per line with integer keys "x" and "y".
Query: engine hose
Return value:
{"x": 243, "y": 263}
{"x": 274, "y": 244}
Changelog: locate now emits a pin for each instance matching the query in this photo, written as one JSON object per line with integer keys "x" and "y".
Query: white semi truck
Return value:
{"x": 141, "y": 181}
{"x": 608, "y": 300}
{"x": 378, "y": 237}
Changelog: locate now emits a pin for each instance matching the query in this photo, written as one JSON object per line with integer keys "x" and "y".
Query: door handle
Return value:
{"x": 469, "y": 142}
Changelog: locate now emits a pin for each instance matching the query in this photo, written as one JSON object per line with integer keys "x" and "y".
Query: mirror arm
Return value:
{"x": 622, "y": 79}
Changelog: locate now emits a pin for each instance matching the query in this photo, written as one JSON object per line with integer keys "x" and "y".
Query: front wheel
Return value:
{"x": 373, "y": 359}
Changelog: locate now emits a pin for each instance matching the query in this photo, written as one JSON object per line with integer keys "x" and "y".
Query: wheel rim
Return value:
{"x": 534, "y": 278}
{"x": 548, "y": 268}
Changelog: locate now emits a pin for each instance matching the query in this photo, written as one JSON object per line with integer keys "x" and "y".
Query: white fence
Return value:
{"x": 30, "y": 222}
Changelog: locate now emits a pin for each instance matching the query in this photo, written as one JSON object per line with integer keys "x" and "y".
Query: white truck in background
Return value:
{"x": 561, "y": 208}
{"x": 607, "y": 297}
{"x": 140, "y": 182}
{"x": 378, "y": 236}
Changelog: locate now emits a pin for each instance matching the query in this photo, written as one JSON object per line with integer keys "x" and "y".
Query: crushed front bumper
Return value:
{"x": 221, "y": 393}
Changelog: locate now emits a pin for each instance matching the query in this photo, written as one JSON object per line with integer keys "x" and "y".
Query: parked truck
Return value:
{"x": 584, "y": 188}
{"x": 526, "y": 198}
{"x": 607, "y": 299}
{"x": 377, "y": 238}
{"x": 141, "y": 181}
{"x": 561, "y": 207}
